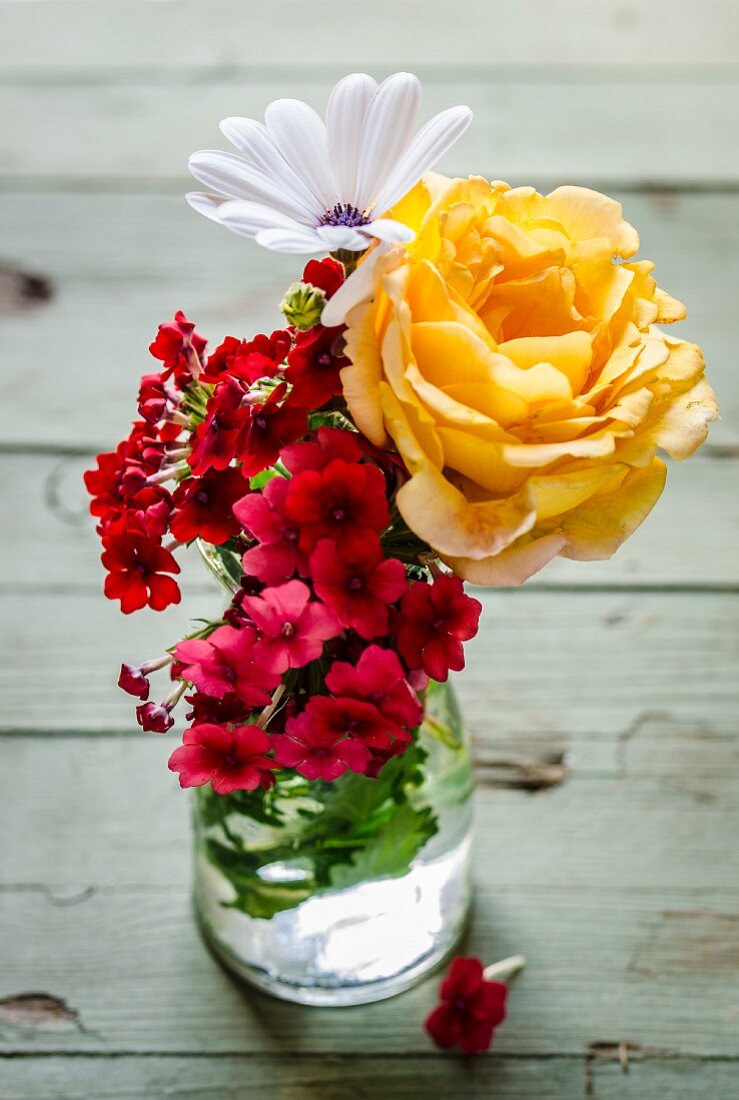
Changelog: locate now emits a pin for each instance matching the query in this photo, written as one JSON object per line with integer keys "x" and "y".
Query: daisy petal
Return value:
{"x": 285, "y": 240}
{"x": 358, "y": 288}
{"x": 429, "y": 144}
{"x": 232, "y": 176}
{"x": 253, "y": 140}
{"x": 388, "y": 127}
{"x": 300, "y": 136}
{"x": 386, "y": 229}
{"x": 249, "y": 218}
{"x": 342, "y": 236}
{"x": 208, "y": 205}
{"x": 345, "y": 115}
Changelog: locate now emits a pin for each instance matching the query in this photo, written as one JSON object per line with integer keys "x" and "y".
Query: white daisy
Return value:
{"x": 302, "y": 185}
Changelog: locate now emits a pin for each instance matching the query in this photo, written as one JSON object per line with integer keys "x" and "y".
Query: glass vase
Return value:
{"x": 346, "y": 892}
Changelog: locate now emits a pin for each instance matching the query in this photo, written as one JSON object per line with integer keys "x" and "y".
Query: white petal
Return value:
{"x": 300, "y": 136}
{"x": 232, "y": 176}
{"x": 388, "y": 127}
{"x": 347, "y": 107}
{"x": 386, "y": 229}
{"x": 284, "y": 240}
{"x": 359, "y": 287}
{"x": 342, "y": 236}
{"x": 249, "y": 218}
{"x": 253, "y": 140}
{"x": 208, "y": 205}
{"x": 429, "y": 144}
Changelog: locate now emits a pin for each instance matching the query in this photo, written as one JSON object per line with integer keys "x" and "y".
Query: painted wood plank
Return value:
{"x": 95, "y": 37}
{"x": 106, "y": 811}
{"x": 123, "y": 263}
{"x": 564, "y": 665}
{"x": 593, "y": 128}
{"x": 135, "y": 978}
{"x": 404, "y": 1078}
{"x": 689, "y": 539}
{"x": 232, "y": 1078}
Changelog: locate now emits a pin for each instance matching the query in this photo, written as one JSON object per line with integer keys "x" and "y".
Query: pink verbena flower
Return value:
{"x": 230, "y": 760}
{"x": 224, "y": 662}
{"x": 278, "y": 557}
{"x": 292, "y": 629}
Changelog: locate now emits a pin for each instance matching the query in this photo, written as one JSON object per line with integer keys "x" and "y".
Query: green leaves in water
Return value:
{"x": 278, "y": 848}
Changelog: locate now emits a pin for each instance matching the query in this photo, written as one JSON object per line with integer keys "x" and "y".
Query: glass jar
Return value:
{"x": 346, "y": 892}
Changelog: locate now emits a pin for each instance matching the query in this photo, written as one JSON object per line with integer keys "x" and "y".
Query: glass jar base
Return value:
{"x": 347, "y": 947}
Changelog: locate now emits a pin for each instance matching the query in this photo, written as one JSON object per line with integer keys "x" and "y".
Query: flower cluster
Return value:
{"x": 473, "y": 377}
{"x": 320, "y": 663}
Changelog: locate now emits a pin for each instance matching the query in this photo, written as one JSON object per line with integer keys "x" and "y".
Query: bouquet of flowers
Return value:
{"x": 468, "y": 383}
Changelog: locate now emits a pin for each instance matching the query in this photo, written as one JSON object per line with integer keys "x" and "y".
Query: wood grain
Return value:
{"x": 136, "y": 978}
{"x": 124, "y": 34}
{"x": 362, "y": 1078}
{"x": 531, "y": 127}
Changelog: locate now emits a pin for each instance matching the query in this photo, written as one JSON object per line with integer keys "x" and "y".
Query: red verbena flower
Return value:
{"x": 137, "y": 567}
{"x": 220, "y": 361}
{"x": 262, "y": 514}
{"x": 230, "y": 710}
{"x": 378, "y": 678}
{"x": 268, "y": 427}
{"x": 230, "y": 760}
{"x": 344, "y": 502}
{"x": 327, "y": 275}
{"x": 226, "y": 662}
{"x": 470, "y": 1010}
{"x": 154, "y": 717}
{"x": 434, "y": 620}
{"x": 355, "y": 717}
{"x": 179, "y": 347}
{"x": 261, "y": 357}
{"x": 360, "y": 590}
{"x": 314, "y": 366}
{"x": 104, "y": 483}
{"x": 215, "y": 440}
{"x": 324, "y": 446}
{"x": 149, "y": 511}
{"x": 204, "y": 506}
{"x": 316, "y": 753}
{"x": 292, "y": 629}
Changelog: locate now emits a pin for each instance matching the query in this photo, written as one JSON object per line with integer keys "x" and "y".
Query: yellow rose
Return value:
{"x": 511, "y": 355}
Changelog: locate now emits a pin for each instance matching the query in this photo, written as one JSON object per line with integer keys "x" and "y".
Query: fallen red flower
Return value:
{"x": 470, "y": 1010}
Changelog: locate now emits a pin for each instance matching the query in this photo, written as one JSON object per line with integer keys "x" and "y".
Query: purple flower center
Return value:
{"x": 356, "y": 584}
{"x": 260, "y": 422}
{"x": 287, "y": 630}
{"x": 201, "y": 496}
{"x": 338, "y": 514}
{"x": 344, "y": 214}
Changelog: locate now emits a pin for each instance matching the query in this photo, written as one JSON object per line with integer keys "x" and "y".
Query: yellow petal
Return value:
{"x": 570, "y": 353}
{"x": 442, "y": 516}
{"x": 513, "y": 566}
{"x": 585, "y": 214}
{"x": 597, "y": 528}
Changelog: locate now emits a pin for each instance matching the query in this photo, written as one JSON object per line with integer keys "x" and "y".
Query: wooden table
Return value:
{"x": 602, "y": 698}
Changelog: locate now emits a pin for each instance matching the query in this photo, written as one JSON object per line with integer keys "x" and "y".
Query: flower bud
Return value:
{"x": 303, "y": 305}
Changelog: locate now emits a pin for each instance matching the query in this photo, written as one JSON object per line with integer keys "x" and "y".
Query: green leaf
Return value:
{"x": 391, "y": 851}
